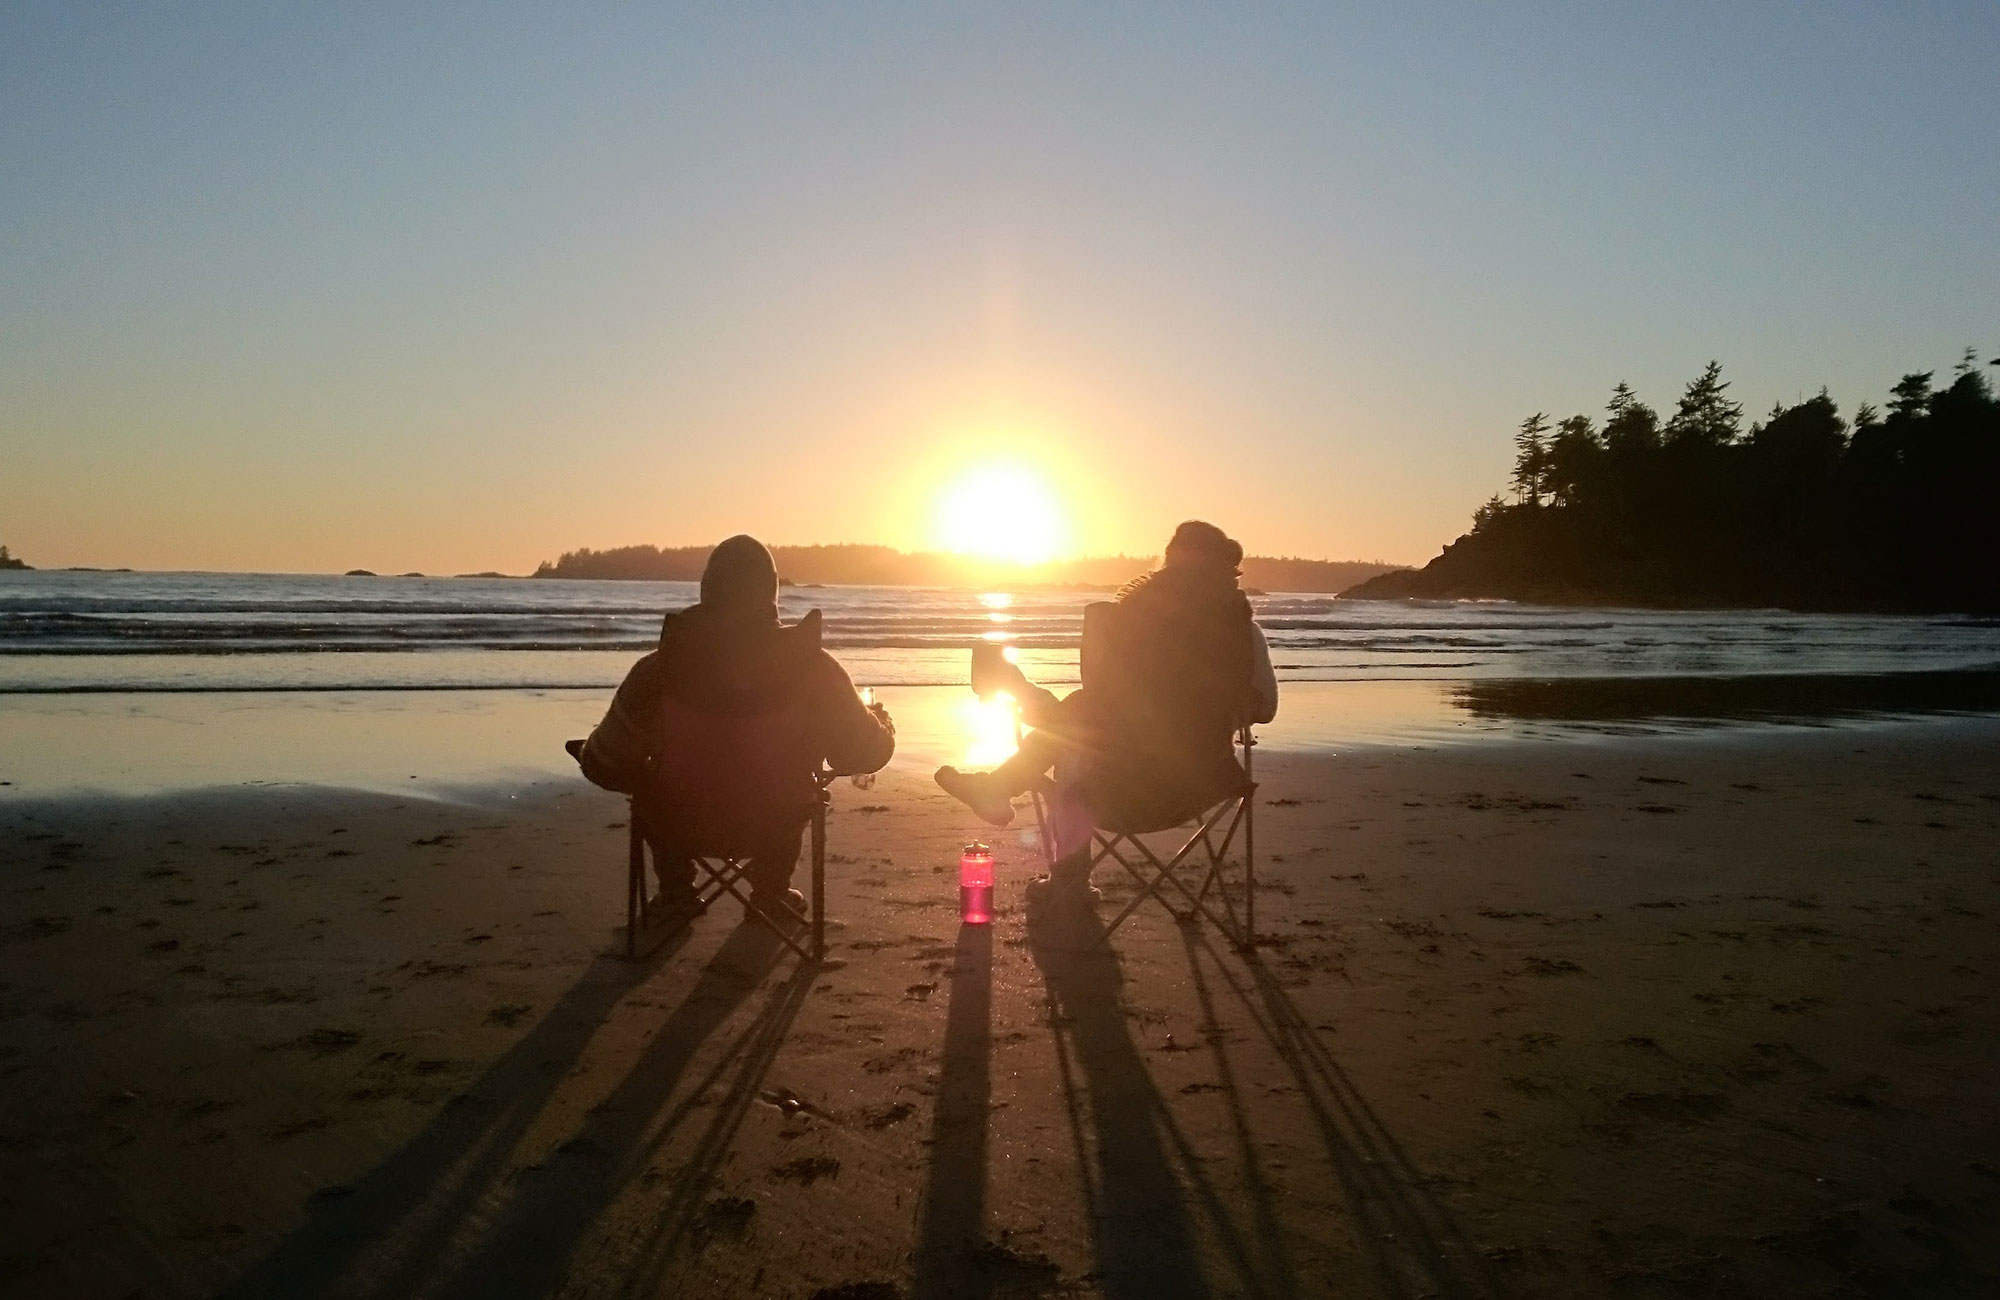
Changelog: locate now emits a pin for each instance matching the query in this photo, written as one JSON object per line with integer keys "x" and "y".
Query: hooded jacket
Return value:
{"x": 722, "y": 662}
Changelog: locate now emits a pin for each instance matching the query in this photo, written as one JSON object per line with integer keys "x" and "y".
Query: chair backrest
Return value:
{"x": 1169, "y": 701}
{"x": 725, "y": 783}
{"x": 735, "y": 748}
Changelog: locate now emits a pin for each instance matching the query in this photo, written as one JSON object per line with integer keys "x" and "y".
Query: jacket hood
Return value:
{"x": 736, "y": 659}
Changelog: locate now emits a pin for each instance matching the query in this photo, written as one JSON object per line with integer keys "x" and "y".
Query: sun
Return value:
{"x": 1001, "y": 511}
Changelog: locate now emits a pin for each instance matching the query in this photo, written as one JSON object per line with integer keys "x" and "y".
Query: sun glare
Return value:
{"x": 986, "y": 730}
{"x": 1002, "y": 512}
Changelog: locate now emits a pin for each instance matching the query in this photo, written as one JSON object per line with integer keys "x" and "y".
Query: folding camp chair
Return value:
{"x": 719, "y": 873}
{"x": 1215, "y": 830}
{"x": 1153, "y": 757}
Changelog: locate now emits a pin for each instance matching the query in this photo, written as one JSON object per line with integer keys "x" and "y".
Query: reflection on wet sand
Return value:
{"x": 427, "y": 742}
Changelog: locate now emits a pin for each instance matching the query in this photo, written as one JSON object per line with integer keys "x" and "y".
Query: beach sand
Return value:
{"x": 1705, "y": 1015}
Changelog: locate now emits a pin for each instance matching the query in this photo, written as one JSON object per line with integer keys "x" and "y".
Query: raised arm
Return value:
{"x": 853, "y": 737}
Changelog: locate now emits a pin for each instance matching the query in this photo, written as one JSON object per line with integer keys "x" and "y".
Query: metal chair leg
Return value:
{"x": 635, "y": 889}
{"x": 819, "y": 877}
{"x": 1249, "y": 742}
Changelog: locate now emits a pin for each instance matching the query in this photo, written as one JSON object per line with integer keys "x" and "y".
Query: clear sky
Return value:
{"x": 454, "y": 287}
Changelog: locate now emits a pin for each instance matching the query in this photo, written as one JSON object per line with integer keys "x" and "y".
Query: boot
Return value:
{"x": 983, "y": 792}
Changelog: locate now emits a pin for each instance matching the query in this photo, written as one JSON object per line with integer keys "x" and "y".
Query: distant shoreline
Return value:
{"x": 882, "y": 566}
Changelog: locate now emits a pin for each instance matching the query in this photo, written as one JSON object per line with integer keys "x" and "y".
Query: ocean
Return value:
{"x": 71, "y": 632}
{"x": 135, "y": 683}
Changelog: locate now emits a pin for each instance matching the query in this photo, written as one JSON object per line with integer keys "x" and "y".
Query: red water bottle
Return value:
{"x": 975, "y": 885}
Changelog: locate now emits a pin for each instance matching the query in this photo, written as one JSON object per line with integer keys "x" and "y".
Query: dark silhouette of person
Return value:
{"x": 1147, "y": 741}
{"x": 718, "y": 734}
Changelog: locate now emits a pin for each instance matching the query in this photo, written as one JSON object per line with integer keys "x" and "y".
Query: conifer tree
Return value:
{"x": 1705, "y": 417}
{"x": 1630, "y": 425}
{"x": 1530, "y": 459}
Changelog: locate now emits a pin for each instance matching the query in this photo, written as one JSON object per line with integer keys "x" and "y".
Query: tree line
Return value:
{"x": 1894, "y": 510}
{"x": 885, "y": 566}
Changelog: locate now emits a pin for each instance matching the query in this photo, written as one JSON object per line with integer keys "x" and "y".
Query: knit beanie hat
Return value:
{"x": 1195, "y": 542}
{"x": 740, "y": 574}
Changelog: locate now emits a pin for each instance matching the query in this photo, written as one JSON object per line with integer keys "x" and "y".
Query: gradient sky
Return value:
{"x": 317, "y": 287}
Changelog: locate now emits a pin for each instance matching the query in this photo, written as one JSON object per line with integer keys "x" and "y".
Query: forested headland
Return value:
{"x": 1897, "y": 510}
{"x": 886, "y": 566}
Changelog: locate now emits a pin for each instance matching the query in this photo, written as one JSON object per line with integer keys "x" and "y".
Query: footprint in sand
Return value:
{"x": 900, "y": 1059}
{"x": 807, "y": 1170}
{"x": 725, "y": 1214}
{"x": 870, "y": 1290}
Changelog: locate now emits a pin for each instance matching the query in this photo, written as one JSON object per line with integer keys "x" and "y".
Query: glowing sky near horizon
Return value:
{"x": 313, "y": 288}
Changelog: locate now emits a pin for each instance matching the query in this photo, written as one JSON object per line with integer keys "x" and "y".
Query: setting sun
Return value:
{"x": 1001, "y": 512}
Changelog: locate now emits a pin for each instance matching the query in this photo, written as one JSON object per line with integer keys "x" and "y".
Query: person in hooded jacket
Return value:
{"x": 726, "y": 668}
{"x": 1191, "y": 619}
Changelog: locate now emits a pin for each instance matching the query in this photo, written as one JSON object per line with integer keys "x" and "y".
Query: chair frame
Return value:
{"x": 1234, "y": 813}
{"x": 720, "y": 874}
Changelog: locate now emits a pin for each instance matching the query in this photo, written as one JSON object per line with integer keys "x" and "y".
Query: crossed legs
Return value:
{"x": 1047, "y": 760}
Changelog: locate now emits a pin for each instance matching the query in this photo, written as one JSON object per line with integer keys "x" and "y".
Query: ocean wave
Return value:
{"x": 199, "y": 623}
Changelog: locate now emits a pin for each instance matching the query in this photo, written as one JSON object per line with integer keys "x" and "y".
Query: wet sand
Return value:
{"x": 1636, "y": 1016}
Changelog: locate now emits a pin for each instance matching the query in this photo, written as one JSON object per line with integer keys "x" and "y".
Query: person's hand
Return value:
{"x": 882, "y": 716}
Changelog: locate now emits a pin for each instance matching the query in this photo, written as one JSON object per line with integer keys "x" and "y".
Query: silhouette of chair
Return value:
{"x": 723, "y": 790}
{"x": 1158, "y": 760}
{"x": 720, "y": 871}
{"x": 1202, "y": 855}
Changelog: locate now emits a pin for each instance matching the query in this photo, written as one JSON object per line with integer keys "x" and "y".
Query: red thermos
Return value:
{"x": 975, "y": 885}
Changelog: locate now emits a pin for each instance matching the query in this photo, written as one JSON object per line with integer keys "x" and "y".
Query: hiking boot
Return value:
{"x": 784, "y": 906}
{"x": 1069, "y": 893}
{"x": 671, "y": 910}
{"x": 982, "y": 792}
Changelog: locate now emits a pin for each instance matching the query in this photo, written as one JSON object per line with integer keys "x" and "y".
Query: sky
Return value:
{"x": 460, "y": 287}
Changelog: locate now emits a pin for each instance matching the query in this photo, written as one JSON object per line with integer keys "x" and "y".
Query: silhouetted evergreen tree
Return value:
{"x": 1630, "y": 426}
{"x": 1895, "y": 513}
{"x": 1573, "y": 461}
{"x": 1705, "y": 417}
{"x": 1530, "y": 459}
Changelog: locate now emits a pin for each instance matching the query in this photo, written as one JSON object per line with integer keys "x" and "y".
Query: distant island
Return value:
{"x": 888, "y": 567}
{"x": 1894, "y": 513}
{"x": 7, "y": 560}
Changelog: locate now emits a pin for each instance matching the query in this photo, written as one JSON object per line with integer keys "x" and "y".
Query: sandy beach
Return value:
{"x": 1694, "y": 1015}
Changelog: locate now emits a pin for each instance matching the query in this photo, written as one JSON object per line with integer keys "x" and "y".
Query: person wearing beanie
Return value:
{"x": 726, "y": 662}
{"x": 741, "y": 576}
{"x": 1192, "y": 598}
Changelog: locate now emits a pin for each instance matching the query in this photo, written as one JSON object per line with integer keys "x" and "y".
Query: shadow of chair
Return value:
{"x": 401, "y": 1229}
{"x": 1142, "y": 1231}
{"x": 405, "y": 1210}
{"x": 1412, "y": 1241}
{"x": 526, "y": 1250}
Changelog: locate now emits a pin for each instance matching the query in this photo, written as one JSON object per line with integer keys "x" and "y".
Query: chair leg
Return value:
{"x": 819, "y": 879}
{"x": 1165, "y": 874}
{"x": 1250, "y": 871}
{"x": 635, "y": 889}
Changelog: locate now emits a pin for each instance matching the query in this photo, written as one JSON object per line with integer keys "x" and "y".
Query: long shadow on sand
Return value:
{"x": 529, "y": 1247}
{"x": 1412, "y": 1244}
{"x": 951, "y": 1258}
{"x": 1141, "y": 1226}
{"x": 403, "y": 1230}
